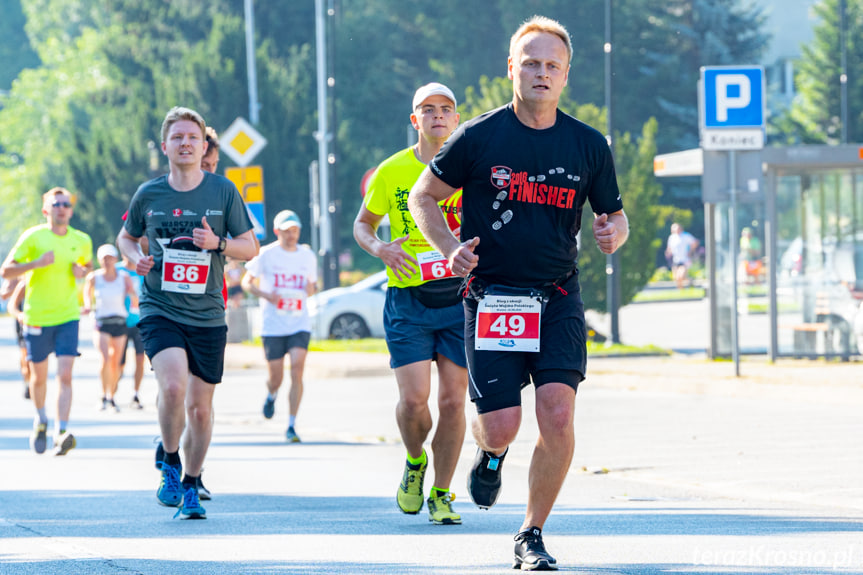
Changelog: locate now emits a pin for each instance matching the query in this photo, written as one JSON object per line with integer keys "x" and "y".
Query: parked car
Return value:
{"x": 350, "y": 312}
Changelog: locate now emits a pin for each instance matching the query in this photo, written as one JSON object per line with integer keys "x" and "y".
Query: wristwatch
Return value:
{"x": 223, "y": 243}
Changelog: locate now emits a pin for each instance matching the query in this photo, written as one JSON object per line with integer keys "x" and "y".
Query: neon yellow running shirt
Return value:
{"x": 52, "y": 294}
{"x": 388, "y": 195}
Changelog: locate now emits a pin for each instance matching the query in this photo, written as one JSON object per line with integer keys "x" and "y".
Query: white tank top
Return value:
{"x": 110, "y": 296}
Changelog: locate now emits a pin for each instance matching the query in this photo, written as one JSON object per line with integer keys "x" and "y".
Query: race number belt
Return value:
{"x": 185, "y": 271}
{"x": 508, "y": 319}
{"x": 292, "y": 302}
{"x": 433, "y": 266}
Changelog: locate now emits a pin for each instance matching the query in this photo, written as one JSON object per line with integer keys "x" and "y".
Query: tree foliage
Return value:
{"x": 815, "y": 115}
{"x": 101, "y": 75}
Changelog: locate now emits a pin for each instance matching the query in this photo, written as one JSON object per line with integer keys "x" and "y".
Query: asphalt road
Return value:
{"x": 679, "y": 468}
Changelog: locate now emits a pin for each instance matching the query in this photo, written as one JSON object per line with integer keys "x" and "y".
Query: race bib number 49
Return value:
{"x": 433, "y": 266}
{"x": 185, "y": 271}
{"x": 508, "y": 323}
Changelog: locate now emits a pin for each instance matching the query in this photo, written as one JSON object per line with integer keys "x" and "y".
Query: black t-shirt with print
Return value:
{"x": 524, "y": 191}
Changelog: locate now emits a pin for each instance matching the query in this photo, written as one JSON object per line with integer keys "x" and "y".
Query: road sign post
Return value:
{"x": 732, "y": 117}
{"x": 250, "y": 183}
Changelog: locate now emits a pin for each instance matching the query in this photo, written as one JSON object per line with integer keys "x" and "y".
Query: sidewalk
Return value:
{"x": 681, "y": 373}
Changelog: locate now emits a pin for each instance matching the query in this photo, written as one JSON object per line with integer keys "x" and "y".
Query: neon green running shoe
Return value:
{"x": 410, "y": 493}
{"x": 440, "y": 510}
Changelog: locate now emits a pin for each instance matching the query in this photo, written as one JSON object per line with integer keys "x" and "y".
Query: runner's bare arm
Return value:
{"x": 423, "y": 203}
{"x": 610, "y": 231}
{"x": 13, "y": 269}
{"x": 8, "y": 288}
{"x": 89, "y": 284}
{"x": 243, "y": 247}
{"x": 130, "y": 246}
{"x": 250, "y": 284}
{"x": 391, "y": 253}
{"x": 16, "y": 300}
{"x": 79, "y": 271}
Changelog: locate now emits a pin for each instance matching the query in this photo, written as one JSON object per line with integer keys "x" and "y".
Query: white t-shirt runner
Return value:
{"x": 288, "y": 274}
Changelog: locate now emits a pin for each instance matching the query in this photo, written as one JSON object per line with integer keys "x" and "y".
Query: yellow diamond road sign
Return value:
{"x": 242, "y": 142}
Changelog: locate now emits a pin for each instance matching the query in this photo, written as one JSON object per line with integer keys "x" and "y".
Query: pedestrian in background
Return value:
{"x": 51, "y": 257}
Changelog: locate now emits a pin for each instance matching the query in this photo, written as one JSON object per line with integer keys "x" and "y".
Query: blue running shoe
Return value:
{"x": 170, "y": 492}
{"x": 269, "y": 407}
{"x": 191, "y": 507}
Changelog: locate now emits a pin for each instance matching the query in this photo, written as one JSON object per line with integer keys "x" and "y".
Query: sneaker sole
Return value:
{"x": 445, "y": 521}
{"x": 164, "y": 504}
{"x": 540, "y": 566}
{"x": 406, "y": 512}
{"x": 68, "y": 444}
{"x": 193, "y": 516}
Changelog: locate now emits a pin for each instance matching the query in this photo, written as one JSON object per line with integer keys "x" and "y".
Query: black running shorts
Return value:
{"x": 204, "y": 346}
{"x": 276, "y": 346}
{"x": 497, "y": 377}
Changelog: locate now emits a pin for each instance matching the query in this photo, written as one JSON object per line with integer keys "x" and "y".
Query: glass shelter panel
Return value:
{"x": 753, "y": 323}
{"x": 819, "y": 272}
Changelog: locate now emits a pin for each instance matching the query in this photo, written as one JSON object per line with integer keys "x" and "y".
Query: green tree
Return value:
{"x": 86, "y": 118}
{"x": 641, "y": 194}
{"x": 815, "y": 115}
{"x": 15, "y": 51}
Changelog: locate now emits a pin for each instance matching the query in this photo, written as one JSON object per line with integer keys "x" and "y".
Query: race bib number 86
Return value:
{"x": 185, "y": 271}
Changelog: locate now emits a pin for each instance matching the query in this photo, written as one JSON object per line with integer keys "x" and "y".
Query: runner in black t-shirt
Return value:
{"x": 526, "y": 170}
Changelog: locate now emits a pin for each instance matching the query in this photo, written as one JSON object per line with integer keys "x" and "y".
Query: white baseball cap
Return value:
{"x": 107, "y": 250}
{"x": 286, "y": 219}
{"x": 433, "y": 89}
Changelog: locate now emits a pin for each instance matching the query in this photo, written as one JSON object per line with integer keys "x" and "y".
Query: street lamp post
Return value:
{"x": 612, "y": 261}
{"x": 843, "y": 74}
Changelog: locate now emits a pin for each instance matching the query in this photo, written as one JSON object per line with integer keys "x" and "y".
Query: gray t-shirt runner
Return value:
{"x": 167, "y": 218}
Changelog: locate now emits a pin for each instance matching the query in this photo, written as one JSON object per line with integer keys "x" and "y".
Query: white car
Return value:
{"x": 350, "y": 312}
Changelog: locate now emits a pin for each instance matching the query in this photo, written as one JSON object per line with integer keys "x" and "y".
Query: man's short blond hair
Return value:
{"x": 48, "y": 197}
{"x": 542, "y": 24}
{"x": 177, "y": 114}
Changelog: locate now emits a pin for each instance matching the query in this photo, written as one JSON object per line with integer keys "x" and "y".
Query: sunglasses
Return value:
{"x": 61, "y": 205}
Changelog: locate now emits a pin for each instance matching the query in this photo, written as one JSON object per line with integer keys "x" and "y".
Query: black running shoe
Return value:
{"x": 203, "y": 492}
{"x": 530, "y": 553}
{"x": 160, "y": 455}
{"x": 483, "y": 482}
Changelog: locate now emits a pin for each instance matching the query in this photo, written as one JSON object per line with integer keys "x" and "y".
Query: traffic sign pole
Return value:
{"x": 732, "y": 119}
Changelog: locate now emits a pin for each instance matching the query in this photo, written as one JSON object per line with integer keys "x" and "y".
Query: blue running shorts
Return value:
{"x": 42, "y": 341}
{"x": 415, "y": 332}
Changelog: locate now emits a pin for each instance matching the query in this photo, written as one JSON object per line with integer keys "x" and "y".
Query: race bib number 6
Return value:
{"x": 508, "y": 323}
{"x": 185, "y": 271}
{"x": 433, "y": 266}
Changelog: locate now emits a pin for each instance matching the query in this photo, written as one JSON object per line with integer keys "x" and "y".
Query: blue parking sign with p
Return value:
{"x": 733, "y": 97}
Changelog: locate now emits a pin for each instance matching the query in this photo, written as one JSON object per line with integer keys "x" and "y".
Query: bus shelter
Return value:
{"x": 797, "y": 255}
